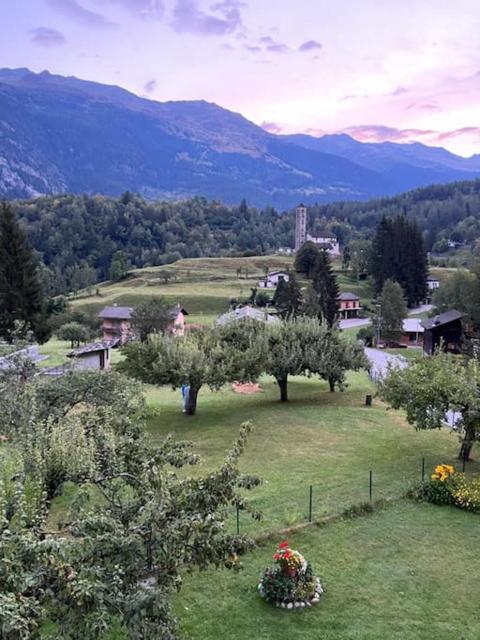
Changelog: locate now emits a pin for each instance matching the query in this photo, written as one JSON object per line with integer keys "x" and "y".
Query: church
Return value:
{"x": 330, "y": 244}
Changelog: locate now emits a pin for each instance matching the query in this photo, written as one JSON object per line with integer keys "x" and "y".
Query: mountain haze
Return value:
{"x": 60, "y": 134}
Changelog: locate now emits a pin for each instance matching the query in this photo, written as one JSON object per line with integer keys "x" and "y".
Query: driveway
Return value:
{"x": 381, "y": 361}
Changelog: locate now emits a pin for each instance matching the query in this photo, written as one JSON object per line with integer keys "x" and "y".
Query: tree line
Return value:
{"x": 82, "y": 240}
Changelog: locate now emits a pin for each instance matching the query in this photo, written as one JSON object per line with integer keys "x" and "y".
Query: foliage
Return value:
{"x": 393, "y": 310}
{"x": 398, "y": 253}
{"x": 306, "y": 258}
{"x": 131, "y": 538}
{"x": 21, "y": 296}
{"x": 291, "y": 580}
{"x": 325, "y": 285}
{"x": 73, "y": 331}
{"x": 151, "y": 316}
{"x": 207, "y": 357}
{"x": 334, "y": 355}
{"x": 448, "y": 486}
{"x": 358, "y": 254}
{"x": 431, "y": 387}
{"x": 366, "y": 335}
{"x": 288, "y": 296}
{"x": 118, "y": 266}
{"x": 461, "y": 291}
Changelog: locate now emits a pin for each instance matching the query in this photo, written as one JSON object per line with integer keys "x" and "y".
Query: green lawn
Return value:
{"x": 57, "y": 350}
{"x": 410, "y": 353}
{"x": 408, "y": 572}
{"x": 329, "y": 441}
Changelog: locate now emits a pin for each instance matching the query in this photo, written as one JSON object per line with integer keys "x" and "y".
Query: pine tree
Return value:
{"x": 325, "y": 285}
{"x": 21, "y": 296}
{"x": 288, "y": 296}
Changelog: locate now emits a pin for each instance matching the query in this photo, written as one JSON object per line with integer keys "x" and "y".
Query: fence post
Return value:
{"x": 370, "y": 485}
{"x": 310, "y": 504}
{"x": 238, "y": 521}
{"x": 423, "y": 470}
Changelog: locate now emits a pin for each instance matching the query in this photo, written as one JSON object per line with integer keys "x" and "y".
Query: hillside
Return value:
{"x": 77, "y": 237}
{"x": 61, "y": 134}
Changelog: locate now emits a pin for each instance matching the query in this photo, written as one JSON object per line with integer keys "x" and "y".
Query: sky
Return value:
{"x": 378, "y": 70}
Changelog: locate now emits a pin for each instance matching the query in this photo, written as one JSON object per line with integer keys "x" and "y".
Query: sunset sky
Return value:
{"x": 377, "y": 69}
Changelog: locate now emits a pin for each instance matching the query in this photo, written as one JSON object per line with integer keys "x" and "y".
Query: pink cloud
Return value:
{"x": 310, "y": 45}
{"x": 224, "y": 17}
{"x": 271, "y": 127}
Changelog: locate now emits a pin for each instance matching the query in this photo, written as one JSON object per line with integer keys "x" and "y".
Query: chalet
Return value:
{"x": 247, "y": 313}
{"x": 348, "y": 305}
{"x": 116, "y": 324}
{"x": 445, "y": 328}
{"x": 93, "y": 356}
{"x": 412, "y": 332}
{"x": 272, "y": 279}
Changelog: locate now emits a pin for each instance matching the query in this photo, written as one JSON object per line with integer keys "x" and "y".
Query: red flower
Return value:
{"x": 283, "y": 545}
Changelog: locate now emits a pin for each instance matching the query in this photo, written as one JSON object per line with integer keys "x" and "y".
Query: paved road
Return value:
{"x": 381, "y": 361}
{"x": 354, "y": 323}
{"x": 364, "y": 322}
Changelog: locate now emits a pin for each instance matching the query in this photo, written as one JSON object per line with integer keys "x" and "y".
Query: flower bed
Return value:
{"x": 291, "y": 582}
{"x": 448, "y": 486}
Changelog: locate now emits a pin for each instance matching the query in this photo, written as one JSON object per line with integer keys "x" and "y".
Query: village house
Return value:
{"x": 349, "y": 305}
{"x": 412, "y": 332}
{"x": 93, "y": 356}
{"x": 272, "y": 279}
{"x": 432, "y": 283}
{"x": 244, "y": 313}
{"x": 116, "y": 324}
{"x": 445, "y": 328}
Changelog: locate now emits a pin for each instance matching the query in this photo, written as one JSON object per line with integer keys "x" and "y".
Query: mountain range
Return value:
{"x": 61, "y": 134}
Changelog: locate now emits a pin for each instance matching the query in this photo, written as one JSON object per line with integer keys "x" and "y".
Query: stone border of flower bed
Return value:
{"x": 298, "y": 604}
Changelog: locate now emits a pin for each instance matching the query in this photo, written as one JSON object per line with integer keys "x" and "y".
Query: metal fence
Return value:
{"x": 295, "y": 504}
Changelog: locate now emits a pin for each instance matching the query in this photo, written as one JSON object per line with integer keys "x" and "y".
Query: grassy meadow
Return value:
{"x": 407, "y": 572}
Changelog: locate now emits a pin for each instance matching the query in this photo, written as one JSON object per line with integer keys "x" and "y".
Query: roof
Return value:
{"x": 301, "y": 206}
{"x": 247, "y": 312}
{"x": 277, "y": 273}
{"x": 442, "y": 319}
{"x": 117, "y": 313}
{"x": 413, "y": 325}
{"x": 346, "y": 295}
{"x": 432, "y": 279}
{"x": 92, "y": 347}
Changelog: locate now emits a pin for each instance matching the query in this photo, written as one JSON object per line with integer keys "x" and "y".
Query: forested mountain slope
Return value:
{"x": 77, "y": 237}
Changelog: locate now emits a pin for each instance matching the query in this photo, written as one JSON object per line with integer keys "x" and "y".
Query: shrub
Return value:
{"x": 447, "y": 486}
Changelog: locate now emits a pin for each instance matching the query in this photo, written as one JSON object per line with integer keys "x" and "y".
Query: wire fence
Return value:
{"x": 285, "y": 506}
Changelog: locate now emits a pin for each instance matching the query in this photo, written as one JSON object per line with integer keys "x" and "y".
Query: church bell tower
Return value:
{"x": 300, "y": 226}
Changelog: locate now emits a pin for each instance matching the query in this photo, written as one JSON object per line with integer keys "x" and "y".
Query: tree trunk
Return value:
{"x": 283, "y": 384}
{"x": 467, "y": 443}
{"x": 191, "y": 405}
{"x": 331, "y": 382}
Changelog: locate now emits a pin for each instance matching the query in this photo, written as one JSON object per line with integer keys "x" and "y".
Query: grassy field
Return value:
{"x": 329, "y": 441}
{"x": 204, "y": 286}
{"x": 408, "y": 572}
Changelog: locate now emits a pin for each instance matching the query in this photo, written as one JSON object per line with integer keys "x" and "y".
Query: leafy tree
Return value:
{"x": 201, "y": 358}
{"x": 366, "y": 335}
{"x": 461, "y": 291}
{"x": 21, "y": 295}
{"x": 325, "y": 285}
{"x": 306, "y": 258}
{"x": 151, "y": 316}
{"x": 262, "y": 299}
{"x": 123, "y": 556}
{"x": 359, "y": 253}
{"x": 118, "y": 266}
{"x": 288, "y": 296}
{"x": 433, "y": 386}
{"x": 393, "y": 310}
{"x": 334, "y": 356}
{"x": 73, "y": 331}
{"x": 288, "y": 345}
